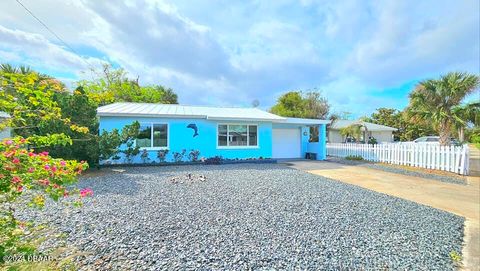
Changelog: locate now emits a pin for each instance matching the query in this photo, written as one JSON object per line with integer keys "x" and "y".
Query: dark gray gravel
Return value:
{"x": 251, "y": 217}
{"x": 446, "y": 179}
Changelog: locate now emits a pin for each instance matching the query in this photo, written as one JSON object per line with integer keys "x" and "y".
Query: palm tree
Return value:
{"x": 7, "y": 68}
{"x": 464, "y": 116}
{"x": 434, "y": 100}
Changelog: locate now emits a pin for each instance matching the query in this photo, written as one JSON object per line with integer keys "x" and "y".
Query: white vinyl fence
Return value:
{"x": 446, "y": 158}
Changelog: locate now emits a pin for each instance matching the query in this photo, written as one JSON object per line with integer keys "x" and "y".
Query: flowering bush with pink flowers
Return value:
{"x": 31, "y": 176}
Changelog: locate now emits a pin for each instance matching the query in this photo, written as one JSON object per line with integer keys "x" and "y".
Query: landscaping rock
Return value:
{"x": 246, "y": 216}
{"x": 443, "y": 178}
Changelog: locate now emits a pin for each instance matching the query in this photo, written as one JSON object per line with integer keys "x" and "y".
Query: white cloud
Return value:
{"x": 236, "y": 51}
{"x": 36, "y": 50}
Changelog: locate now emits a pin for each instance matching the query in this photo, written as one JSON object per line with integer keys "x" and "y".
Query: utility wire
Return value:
{"x": 56, "y": 36}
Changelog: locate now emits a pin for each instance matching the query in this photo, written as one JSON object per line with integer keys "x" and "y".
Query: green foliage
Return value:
{"x": 434, "y": 100}
{"x": 28, "y": 99}
{"x": 455, "y": 256}
{"x": 372, "y": 141}
{"x": 408, "y": 129}
{"x": 110, "y": 143}
{"x": 354, "y": 130}
{"x": 178, "y": 156}
{"x": 465, "y": 117}
{"x": 29, "y": 178}
{"x": 144, "y": 156}
{"x": 79, "y": 109}
{"x": 302, "y": 105}
{"x": 115, "y": 86}
{"x": 193, "y": 155}
{"x": 354, "y": 157}
{"x": 162, "y": 155}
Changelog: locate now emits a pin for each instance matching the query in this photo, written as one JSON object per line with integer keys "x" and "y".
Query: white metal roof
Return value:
{"x": 186, "y": 111}
{"x": 339, "y": 124}
{"x": 305, "y": 121}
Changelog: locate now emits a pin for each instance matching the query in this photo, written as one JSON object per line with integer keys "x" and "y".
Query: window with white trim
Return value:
{"x": 152, "y": 135}
{"x": 237, "y": 135}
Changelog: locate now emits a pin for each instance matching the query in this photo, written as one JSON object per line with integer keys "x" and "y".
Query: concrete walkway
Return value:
{"x": 463, "y": 200}
{"x": 474, "y": 161}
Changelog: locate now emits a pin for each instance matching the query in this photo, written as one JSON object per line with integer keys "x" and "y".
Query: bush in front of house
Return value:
{"x": 28, "y": 179}
{"x": 162, "y": 155}
{"x": 193, "y": 155}
{"x": 216, "y": 160}
{"x": 178, "y": 156}
{"x": 354, "y": 157}
{"x": 144, "y": 156}
{"x": 372, "y": 141}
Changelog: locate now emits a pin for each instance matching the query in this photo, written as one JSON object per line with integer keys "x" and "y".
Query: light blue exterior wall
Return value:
{"x": 180, "y": 137}
{"x": 305, "y": 139}
{"x": 320, "y": 147}
{"x": 322, "y": 142}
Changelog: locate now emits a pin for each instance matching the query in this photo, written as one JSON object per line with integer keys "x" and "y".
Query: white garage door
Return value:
{"x": 286, "y": 143}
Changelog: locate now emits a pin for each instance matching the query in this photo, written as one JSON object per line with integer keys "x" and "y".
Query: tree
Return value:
{"x": 465, "y": 116}
{"x": 353, "y": 130}
{"x": 28, "y": 177}
{"x": 110, "y": 142}
{"x": 434, "y": 100}
{"x": 79, "y": 109}
{"x": 113, "y": 85}
{"x": 316, "y": 106}
{"x": 302, "y": 105}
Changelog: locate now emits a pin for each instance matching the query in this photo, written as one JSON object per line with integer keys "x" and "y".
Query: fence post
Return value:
{"x": 462, "y": 162}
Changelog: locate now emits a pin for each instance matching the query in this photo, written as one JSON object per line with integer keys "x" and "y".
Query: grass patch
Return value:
{"x": 354, "y": 158}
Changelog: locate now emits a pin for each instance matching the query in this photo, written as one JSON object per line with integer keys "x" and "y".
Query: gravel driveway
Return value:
{"x": 252, "y": 217}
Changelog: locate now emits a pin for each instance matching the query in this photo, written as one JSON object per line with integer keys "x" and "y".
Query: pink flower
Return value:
{"x": 8, "y": 142}
{"x": 44, "y": 153}
{"x": 44, "y": 182}
{"x": 31, "y": 154}
{"x": 63, "y": 163}
{"x": 54, "y": 168}
{"x": 30, "y": 170}
{"x": 16, "y": 160}
{"x": 86, "y": 192}
{"x": 47, "y": 167}
{"x": 16, "y": 179}
{"x": 20, "y": 188}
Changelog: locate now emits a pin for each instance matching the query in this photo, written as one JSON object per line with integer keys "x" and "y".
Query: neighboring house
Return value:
{"x": 215, "y": 131}
{"x": 381, "y": 133}
{"x": 7, "y": 132}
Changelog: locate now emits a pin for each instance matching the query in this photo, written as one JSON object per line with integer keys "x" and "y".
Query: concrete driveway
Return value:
{"x": 463, "y": 200}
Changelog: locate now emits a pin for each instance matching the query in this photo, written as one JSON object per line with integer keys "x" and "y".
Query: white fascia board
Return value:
{"x": 151, "y": 115}
{"x": 241, "y": 119}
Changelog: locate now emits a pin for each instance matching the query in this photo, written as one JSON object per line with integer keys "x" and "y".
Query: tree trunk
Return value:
{"x": 461, "y": 134}
{"x": 444, "y": 132}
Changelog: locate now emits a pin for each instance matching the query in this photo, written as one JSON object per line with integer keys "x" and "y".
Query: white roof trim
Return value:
{"x": 183, "y": 111}
{"x": 340, "y": 124}
{"x": 304, "y": 121}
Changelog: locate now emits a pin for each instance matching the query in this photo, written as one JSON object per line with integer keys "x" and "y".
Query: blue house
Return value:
{"x": 216, "y": 131}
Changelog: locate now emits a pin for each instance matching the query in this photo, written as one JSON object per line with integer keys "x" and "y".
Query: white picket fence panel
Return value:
{"x": 446, "y": 158}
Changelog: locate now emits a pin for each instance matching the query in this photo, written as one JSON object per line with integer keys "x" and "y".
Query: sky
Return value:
{"x": 361, "y": 55}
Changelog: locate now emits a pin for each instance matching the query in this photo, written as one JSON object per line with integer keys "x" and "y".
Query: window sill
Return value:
{"x": 154, "y": 148}
{"x": 237, "y": 147}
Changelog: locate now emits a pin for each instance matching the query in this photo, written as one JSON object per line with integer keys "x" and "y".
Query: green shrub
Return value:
{"x": 354, "y": 157}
